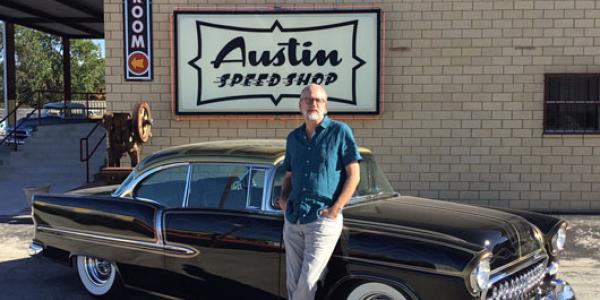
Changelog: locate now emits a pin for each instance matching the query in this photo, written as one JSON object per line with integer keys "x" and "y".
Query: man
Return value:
{"x": 321, "y": 160}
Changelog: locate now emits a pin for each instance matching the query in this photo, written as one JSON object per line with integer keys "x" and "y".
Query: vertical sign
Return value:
{"x": 137, "y": 22}
{"x": 257, "y": 62}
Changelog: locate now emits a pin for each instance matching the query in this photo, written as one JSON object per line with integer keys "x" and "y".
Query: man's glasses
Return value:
{"x": 311, "y": 100}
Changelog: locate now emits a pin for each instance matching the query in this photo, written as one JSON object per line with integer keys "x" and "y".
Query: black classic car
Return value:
{"x": 199, "y": 221}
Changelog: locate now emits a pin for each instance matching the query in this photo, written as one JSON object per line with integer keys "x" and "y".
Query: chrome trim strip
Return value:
{"x": 249, "y": 185}
{"x": 188, "y": 183}
{"x": 157, "y": 247}
{"x": 401, "y": 266}
{"x": 222, "y": 213}
{"x": 534, "y": 256}
{"x": 158, "y": 226}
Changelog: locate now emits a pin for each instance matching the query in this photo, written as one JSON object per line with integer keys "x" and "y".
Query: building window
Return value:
{"x": 572, "y": 103}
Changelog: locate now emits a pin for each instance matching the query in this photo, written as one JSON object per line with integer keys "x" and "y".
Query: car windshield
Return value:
{"x": 373, "y": 182}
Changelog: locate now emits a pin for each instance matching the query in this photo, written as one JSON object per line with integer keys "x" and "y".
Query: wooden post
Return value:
{"x": 11, "y": 72}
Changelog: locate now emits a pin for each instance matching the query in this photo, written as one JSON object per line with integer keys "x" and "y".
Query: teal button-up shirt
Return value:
{"x": 318, "y": 168}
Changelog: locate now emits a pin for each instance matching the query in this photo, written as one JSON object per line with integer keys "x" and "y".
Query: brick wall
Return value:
{"x": 463, "y": 90}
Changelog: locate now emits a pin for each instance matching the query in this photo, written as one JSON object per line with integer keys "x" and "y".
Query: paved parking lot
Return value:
{"x": 22, "y": 277}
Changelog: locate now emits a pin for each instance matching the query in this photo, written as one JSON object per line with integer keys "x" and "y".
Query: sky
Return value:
{"x": 101, "y": 44}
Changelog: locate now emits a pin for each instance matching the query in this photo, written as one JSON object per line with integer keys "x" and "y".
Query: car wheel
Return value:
{"x": 374, "y": 291}
{"x": 98, "y": 276}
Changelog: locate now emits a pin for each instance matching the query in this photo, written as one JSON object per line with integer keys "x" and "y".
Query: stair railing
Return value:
{"x": 13, "y": 131}
{"x": 88, "y": 155}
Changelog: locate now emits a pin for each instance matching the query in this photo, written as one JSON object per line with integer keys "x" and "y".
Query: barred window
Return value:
{"x": 572, "y": 103}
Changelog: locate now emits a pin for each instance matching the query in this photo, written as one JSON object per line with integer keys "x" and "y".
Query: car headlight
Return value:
{"x": 558, "y": 239}
{"x": 480, "y": 276}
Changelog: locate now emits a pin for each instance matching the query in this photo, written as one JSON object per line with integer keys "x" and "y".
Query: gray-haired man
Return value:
{"x": 321, "y": 160}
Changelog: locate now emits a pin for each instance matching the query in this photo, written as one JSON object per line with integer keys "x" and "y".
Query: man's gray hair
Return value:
{"x": 306, "y": 89}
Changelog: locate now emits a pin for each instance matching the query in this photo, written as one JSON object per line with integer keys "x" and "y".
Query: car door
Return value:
{"x": 165, "y": 187}
{"x": 239, "y": 246}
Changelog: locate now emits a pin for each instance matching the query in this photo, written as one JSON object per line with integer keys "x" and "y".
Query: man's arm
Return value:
{"x": 286, "y": 188}
{"x": 352, "y": 179}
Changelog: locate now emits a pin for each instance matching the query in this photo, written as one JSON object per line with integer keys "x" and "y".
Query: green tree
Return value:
{"x": 87, "y": 66}
{"x": 39, "y": 65}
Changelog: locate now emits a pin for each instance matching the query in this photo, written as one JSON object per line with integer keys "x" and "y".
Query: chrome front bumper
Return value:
{"x": 35, "y": 249}
{"x": 557, "y": 290}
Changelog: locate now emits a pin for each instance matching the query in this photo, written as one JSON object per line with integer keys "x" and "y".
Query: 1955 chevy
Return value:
{"x": 199, "y": 221}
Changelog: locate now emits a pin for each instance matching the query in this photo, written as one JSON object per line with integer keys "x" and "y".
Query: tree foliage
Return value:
{"x": 39, "y": 66}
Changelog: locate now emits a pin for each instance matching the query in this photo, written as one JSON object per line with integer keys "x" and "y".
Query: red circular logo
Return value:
{"x": 138, "y": 63}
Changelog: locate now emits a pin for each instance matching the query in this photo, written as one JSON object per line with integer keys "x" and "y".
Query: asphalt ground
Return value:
{"x": 23, "y": 277}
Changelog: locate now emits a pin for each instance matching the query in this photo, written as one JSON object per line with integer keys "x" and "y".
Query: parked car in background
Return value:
{"x": 76, "y": 109}
{"x": 64, "y": 110}
{"x": 53, "y": 113}
{"x": 20, "y": 134}
{"x": 199, "y": 221}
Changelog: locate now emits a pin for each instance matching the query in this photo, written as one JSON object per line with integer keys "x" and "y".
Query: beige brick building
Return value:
{"x": 463, "y": 98}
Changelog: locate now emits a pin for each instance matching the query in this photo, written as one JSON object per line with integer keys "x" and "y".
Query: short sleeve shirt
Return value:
{"x": 318, "y": 168}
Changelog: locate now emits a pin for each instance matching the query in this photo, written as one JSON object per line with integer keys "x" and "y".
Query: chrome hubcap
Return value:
{"x": 376, "y": 296}
{"x": 97, "y": 270}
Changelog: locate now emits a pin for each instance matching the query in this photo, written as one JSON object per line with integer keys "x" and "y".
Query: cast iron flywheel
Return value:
{"x": 142, "y": 122}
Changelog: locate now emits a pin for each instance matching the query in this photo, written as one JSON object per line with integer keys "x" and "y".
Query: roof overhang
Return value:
{"x": 68, "y": 18}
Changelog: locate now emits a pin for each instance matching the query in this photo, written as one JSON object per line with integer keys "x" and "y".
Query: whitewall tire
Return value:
{"x": 98, "y": 276}
{"x": 375, "y": 291}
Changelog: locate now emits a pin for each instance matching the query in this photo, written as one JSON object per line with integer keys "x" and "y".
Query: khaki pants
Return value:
{"x": 308, "y": 248}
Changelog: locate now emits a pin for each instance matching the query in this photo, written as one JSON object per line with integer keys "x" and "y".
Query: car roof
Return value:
{"x": 256, "y": 151}
{"x": 58, "y": 105}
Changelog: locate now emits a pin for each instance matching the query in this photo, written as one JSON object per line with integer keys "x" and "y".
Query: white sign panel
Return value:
{"x": 258, "y": 62}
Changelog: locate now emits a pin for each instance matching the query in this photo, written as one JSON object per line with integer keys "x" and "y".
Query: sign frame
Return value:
{"x": 147, "y": 35}
{"x": 175, "y": 59}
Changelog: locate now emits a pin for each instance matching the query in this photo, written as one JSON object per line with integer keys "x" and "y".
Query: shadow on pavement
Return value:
{"x": 36, "y": 278}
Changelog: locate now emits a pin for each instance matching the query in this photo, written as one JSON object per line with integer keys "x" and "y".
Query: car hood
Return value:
{"x": 507, "y": 236}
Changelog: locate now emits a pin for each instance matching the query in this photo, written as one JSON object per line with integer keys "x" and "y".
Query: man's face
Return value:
{"x": 313, "y": 104}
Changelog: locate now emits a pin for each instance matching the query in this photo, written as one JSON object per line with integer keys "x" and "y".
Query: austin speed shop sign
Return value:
{"x": 137, "y": 20}
{"x": 257, "y": 62}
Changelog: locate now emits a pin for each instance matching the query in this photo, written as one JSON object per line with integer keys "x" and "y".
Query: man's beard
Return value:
{"x": 312, "y": 116}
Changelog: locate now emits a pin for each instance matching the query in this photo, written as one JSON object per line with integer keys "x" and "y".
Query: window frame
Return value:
{"x": 140, "y": 180}
{"x": 547, "y": 101}
{"x": 250, "y": 167}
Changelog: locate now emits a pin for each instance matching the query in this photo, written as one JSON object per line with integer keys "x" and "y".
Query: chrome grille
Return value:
{"x": 520, "y": 285}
